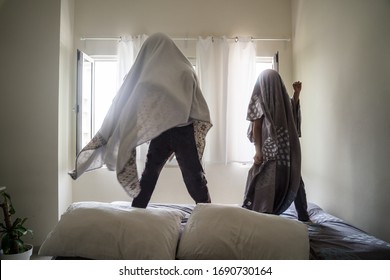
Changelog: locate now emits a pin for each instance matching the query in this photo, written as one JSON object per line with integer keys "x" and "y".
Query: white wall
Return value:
{"x": 177, "y": 18}
{"x": 29, "y": 99}
{"x": 341, "y": 53}
{"x": 189, "y": 18}
{"x": 66, "y": 117}
{"x": 226, "y": 185}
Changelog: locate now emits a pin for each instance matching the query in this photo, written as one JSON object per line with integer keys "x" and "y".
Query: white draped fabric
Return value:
{"x": 226, "y": 70}
{"x": 161, "y": 91}
{"x": 128, "y": 49}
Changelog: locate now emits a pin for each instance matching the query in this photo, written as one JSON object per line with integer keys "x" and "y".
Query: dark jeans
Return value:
{"x": 181, "y": 141}
{"x": 300, "y": 203}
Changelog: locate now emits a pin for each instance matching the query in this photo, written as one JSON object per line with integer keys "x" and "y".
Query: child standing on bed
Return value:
{"x": 159, "y": 101}
{"x": 274, "y": 181}
{"x": 174, "y": 76}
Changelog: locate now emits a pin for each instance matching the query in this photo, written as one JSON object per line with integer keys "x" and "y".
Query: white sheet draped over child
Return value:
{"x": 160, "y": 91}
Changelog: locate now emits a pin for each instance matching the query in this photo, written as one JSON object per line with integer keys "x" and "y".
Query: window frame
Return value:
{"x": 81, "y": 59}
{"x": 92, "y": 59}
{"x": 82, "y": 95}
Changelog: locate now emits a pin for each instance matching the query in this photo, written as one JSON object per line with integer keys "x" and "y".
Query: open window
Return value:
{"x": 85, "y": 77}
{"x": 97, "y": 84}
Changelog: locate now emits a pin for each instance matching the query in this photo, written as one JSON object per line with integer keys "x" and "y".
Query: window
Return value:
{"x": 263, "y": 63}
{"x": 97, "y": 84}
{"x": 96, "y": 87}
{"x": 105, "y": 89}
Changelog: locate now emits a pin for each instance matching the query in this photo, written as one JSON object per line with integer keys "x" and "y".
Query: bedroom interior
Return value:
{"x": 338, "y": 49}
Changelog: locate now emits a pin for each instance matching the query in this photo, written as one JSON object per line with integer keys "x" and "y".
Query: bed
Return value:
{"x": 97, "y": 230}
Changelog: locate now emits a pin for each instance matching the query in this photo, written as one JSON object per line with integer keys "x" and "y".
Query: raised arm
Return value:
{"x": 297, "y": 86}
{"x": 296, "y": 108}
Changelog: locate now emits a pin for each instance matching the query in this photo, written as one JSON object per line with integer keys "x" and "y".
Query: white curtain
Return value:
{"x": 227, "y": 70}
{"x": 212, "y": 68}
{"x": 128, "y": 49}
{"x": 241, "y": 73}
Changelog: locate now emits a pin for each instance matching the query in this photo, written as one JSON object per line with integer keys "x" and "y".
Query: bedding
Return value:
{"x": 186, "y": 231}
{"x": 96, "y": 230}
{"x": 331, "y": 238}
{"x": 227, "y": 232}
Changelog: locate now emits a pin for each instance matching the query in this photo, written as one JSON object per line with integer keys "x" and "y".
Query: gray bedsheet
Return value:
{"x": 330, "y": 237}
{"x": 333, "y": 239}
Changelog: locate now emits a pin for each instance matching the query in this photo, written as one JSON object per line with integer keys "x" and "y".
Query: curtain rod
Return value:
{"x": 178, "y": 39}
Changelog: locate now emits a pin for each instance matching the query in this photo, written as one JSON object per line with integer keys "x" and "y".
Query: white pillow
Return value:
{"x": 106, "y": 231}
{"x": 231, "y": 232}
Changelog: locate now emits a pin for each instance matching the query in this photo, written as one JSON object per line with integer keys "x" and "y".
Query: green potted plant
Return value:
{"x": 12, "y": 244}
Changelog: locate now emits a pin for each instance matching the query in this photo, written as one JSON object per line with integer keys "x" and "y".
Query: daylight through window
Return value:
{"x": 97, "y": 85}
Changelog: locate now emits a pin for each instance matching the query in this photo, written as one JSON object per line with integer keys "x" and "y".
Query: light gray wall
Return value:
{"x": 341, "y": 53}
{"x": 190, "y": 18}
{"x": 29, "y": 100}
{"x": 66, "y": 116}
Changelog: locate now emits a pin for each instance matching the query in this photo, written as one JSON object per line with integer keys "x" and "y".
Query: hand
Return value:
{"x": 297, "y": 86}
{"x": 258, "y": 158}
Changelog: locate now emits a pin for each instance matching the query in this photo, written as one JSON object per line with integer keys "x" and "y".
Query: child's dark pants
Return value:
{"x": 181, "y": 141}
